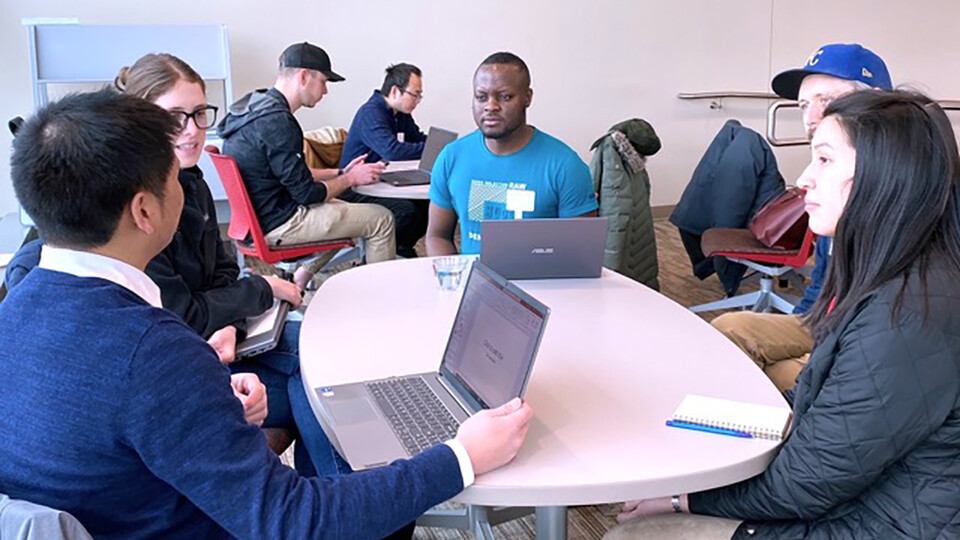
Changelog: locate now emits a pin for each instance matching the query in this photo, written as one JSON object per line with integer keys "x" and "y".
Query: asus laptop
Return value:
{"x": 544, "y": 248}
{"x": 436, "y": 139}
{"x": 487, "y": 362}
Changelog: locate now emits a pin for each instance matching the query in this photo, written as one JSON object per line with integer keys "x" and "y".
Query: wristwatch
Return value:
{"x": 675, "y": 502}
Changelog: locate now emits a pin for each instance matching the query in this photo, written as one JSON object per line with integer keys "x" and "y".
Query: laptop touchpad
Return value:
{"x": 353, "y": 410}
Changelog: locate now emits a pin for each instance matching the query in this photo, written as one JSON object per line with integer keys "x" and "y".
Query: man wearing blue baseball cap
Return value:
{"x": 781, "y": 344}
{"x": 830, "y": 72}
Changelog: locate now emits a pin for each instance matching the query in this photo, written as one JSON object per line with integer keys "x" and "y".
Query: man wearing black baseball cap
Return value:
{"x": 307, "y": 56}
{"x": 296, "y": 204}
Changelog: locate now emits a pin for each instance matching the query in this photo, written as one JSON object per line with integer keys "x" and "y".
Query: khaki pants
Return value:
{"x": 675, "y": 527}
{"x": 780, "y": 345}
{"x": 338, "y": 219}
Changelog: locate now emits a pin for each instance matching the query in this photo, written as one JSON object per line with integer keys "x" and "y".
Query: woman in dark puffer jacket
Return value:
{"x": 875, "y": 446}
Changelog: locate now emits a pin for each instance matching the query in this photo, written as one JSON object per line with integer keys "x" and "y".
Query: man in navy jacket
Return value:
{"x": 99, "y": 419}
{"x": 384, "y": 129}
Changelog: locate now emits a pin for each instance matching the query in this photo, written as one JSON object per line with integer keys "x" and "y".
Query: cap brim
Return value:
{"x": 787, "y": 84}
{"x": 333, "y": 76}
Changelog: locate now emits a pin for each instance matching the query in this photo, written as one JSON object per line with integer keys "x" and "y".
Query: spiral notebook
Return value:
{"x": 732, "y": 417}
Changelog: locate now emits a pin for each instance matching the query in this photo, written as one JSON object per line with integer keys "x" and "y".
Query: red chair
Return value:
{"x": 245, "y": 228}
{"x": 741, "y": 246}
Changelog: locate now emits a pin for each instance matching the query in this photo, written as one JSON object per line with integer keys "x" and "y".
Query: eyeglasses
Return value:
{"x": 203, "y": 118}
{"x": 417, "y": 96}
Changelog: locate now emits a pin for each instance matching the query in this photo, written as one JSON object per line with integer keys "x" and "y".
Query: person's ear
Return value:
{"x": 144, "y": 210}
{"x": 304, "y": 77}
{"x": 528, "y": 98}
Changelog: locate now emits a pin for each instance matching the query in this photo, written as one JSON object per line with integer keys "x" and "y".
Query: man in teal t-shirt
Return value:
{"x": 507, "y": 169}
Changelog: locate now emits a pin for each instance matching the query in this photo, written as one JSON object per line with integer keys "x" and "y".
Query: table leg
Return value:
{"x": 551, "y": 522}
{"x": 480, "y": 519}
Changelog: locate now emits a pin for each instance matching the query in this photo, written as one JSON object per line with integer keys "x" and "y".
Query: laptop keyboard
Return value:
{"x": 415, "y": 413}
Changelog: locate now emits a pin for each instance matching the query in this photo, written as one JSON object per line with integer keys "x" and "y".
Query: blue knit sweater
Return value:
{"x": 374, "y": 132}
{"x": 121, "y": 414}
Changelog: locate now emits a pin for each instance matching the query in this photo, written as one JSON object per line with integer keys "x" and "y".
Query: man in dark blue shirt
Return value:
{"x": 384, "y": 129}
{"x": 118, "y": 412}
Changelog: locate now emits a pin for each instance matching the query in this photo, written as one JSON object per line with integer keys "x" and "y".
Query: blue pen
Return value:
{"x": 708, "y": 429}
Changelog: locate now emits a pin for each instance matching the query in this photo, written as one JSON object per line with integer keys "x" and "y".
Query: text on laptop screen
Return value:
{"x": 493, "y": 341}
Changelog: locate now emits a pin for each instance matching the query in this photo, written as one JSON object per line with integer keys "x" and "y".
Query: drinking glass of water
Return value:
{"x": 449, "y": 271}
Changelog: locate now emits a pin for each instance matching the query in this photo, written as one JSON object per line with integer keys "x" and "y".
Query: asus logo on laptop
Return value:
{"x": 542, "y": 251}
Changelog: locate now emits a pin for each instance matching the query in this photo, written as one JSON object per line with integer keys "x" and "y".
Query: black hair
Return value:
{"x": 509, "y": 59}
{"x": 903, "y": 211}
{"x": 399, "y": 75}
{"x": 78, "y": 162}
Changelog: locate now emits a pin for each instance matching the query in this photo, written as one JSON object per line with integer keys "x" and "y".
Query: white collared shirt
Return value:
{"x": 463, "y": 458}
{"x": 87, "y": 264}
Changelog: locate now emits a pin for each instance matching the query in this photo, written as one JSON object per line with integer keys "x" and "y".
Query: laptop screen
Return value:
{"x": 436, "y": 139}
{"x": 494, "y": 339}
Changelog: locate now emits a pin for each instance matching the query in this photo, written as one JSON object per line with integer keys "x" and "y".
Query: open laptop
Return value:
{"x": 544, "y": 248}
{"x": 436, "y": 139}
{"x": 487, "y": 362}
{"x": 263, "y": 331}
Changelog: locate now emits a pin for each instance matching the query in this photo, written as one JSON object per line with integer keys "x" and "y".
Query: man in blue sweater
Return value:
{"x": 100, "y": 419}
{"x": 384, "y": 129}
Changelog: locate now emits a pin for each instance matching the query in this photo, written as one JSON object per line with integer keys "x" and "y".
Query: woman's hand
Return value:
{"x": 641, "y": 508}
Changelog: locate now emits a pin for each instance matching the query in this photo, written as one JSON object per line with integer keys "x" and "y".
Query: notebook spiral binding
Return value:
{"x": 758, "y": 433}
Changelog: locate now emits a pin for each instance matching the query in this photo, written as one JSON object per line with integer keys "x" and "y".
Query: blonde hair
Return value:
{"x": 155, "y": 74}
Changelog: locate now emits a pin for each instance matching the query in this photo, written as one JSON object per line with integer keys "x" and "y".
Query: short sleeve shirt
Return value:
{"x": 474, "y": 182}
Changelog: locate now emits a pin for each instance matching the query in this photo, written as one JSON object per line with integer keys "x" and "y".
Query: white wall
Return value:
{"x": 593, "y": 64}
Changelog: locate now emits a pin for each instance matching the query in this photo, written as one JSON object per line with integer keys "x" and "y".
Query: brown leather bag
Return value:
{"x": 782, "y": 222}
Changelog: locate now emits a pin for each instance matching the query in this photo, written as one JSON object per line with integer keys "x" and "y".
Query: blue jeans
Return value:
{"x": 288, "y": 407}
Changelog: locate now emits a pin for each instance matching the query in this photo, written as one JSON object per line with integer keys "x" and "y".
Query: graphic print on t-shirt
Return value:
{"x": 488, "y": 200}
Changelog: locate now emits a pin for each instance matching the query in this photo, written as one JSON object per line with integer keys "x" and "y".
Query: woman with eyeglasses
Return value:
{"x": 874, "y": 450}
{"x": 199, "y": 281}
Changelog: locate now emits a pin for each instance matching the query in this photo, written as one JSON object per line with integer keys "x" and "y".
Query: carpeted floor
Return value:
{"x": 677, "y": 283}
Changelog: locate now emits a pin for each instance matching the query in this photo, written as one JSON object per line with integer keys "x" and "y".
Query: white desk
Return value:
{"x": 389, "y": 191}
{"x": 616, "y": 360}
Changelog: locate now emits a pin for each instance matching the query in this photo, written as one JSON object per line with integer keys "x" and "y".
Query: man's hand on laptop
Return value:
{"x": 224, "y": 342}
{"x": 252, "y": 395}
{"x": 285, "y": 290}
{"x": 493, "y": 437}
{"x": 361, "y": 174}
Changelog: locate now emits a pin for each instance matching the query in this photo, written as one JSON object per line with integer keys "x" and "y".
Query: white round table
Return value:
{"x": 390, "y": 191}
{"x": 616, "y": 360}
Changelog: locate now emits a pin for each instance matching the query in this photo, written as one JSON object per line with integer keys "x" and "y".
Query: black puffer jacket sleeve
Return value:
{"x": 881, "y": 387}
